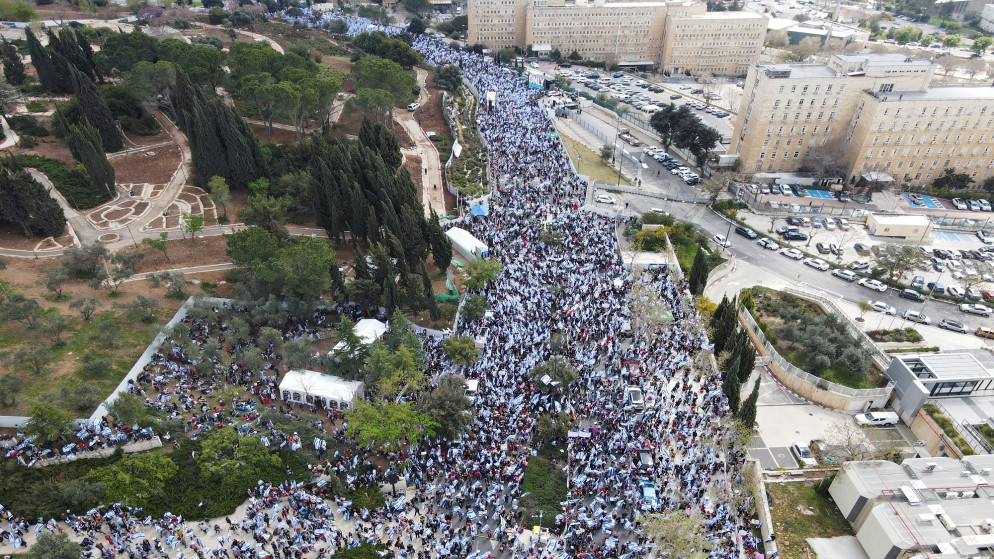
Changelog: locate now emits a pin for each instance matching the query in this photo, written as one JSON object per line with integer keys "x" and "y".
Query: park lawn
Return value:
{"x": 685, "y": 253}
{"x": 799, "y": 511}
{"x": 591, "y": 164}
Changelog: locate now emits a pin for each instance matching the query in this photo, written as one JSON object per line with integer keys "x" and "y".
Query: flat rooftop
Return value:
{"x": 950, "y": 366}
{"x": 960, "y": 93}
{"x": 902, "y": 219}
{"x": 783, "y": 71}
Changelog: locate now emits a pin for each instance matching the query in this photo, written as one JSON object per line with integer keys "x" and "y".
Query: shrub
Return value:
{"x": 545, "y": 487}
{"x": 74, "y": 184}
{"x": 27, "y": 124}
{"x": 36, "y": 106}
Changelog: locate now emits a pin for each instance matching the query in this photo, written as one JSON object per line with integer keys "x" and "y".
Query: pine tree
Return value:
{"x": 84, "y": 143}
{"x": 698, "y": 272}
{"x": 367, "y": 136}
{"x": 719, "y": 311}
{"x": 747, "y": 413}
{"x": 415, "y": 246}
{"x": 387, "y": 146}
{"x": 95, "y": 110}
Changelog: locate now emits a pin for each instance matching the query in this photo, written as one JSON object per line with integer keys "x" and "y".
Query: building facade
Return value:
{"x": 649, "y": 33}
{"x": 722, "y": 43}
{"x": 876, "y": 110}
{"x": 987, "y": 18}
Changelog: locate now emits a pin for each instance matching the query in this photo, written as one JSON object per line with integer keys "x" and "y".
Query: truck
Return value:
{"x": 626, "y": 135}
{"x": 467, "y": 245}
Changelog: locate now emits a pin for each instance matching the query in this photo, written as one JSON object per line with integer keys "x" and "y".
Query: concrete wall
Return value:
{"x": 926, "y": 429}
{"x": 811, "y": 391}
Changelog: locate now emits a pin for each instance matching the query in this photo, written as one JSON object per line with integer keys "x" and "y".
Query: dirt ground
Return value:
{"x": 11, "y": 236}
{"x": 430, "y": 115}
{"x": 152, "y": 166}
{"x": 184, "y": 253}
{"x": 48, "y": 146}
{"x": 278, "y": 136}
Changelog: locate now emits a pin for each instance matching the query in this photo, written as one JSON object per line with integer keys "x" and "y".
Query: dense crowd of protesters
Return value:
{"x": 564, "y": 290}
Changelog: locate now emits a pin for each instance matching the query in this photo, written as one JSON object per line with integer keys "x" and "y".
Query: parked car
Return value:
{"x": 817, "y": 263}
{"x": 803, "y": 455}
{"x": 648, "y": 489}
{"x": 935, "y": 287}
{"x": 985, "y": 332}
{"x": 877, "y": 418}
{"x": 792, "y": 253}
{"x": 916, "y": 316}
{"x": 746, "y": 232}
{"x": 844, "y": 224}
{"x": 769, "y": 244}
{"x": 847, "y": 275}
{"x": 414, "y": 106}
{"x": 953, "y": 325}
{"x": 882, "y": 307}
{"x": 795, "y": 236}
{"x": 816, "y": 222}
{"x": 634, "y": 397}
{"x": 959, "y": 204}
{"x": 860, "y": 248}
{"x": 918, "y": 282}
{"x": 861, "y": 264}
{"x": 873, "y": 284}
{"x": 956, "y": 291}
{"x": 823, "y": 248}
{"x": 912, "y": 294}
{"x": 721, "y": 241}
{"x": 975, "y": 308}
{"x": 606, "y": 199}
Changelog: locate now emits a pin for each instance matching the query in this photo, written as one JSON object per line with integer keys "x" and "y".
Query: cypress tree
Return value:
{"x": 387, "y": 146}
{"x": 723, "y": 334}
{"x": 719, "y": 311}
{"x": 747, "y": 413}
{"x": 95, "y": 110}
{"x": 13, "y": 67}
{"x": 361, "y": 268}
{"x": 747, "y": 361}
{"x": 429, "y": 293}
{"x": 84, "y": 143}
{"x": 441, "y": 246}
{"x": 367, "y": 136}
{"x": 415, "y": 246}
{"x": 373, "y": 226}
{"x": 336, "y": 278}
{"x": 698, "y": 272}
{"x": 42, "y": 62}
{"x": 731, "y": 387}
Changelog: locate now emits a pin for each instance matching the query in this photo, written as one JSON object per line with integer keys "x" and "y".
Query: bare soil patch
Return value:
{"x": 135, "y": 140}
{"x": 413, "y": 165}
{"x": 156, "y": 165}
{"x": 429, "y": 116}
{"x": 13, "y": 237}
{"x": 278, "y": 136}
{"x": 185, "y": 253}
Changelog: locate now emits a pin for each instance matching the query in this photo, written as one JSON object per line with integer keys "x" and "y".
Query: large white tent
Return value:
{"x": 327, "y": 391}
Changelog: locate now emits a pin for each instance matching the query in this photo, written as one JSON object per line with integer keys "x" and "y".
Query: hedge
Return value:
{"x": 74, "y": 184}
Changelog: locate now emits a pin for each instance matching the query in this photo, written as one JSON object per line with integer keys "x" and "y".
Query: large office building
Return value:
{"x": 675, "y": 35}
{"x": 722, "y": 43}
{"x": 878, "y": 109}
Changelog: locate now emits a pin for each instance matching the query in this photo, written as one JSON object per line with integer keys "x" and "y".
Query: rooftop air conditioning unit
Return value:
{"x": 930, "y": 466}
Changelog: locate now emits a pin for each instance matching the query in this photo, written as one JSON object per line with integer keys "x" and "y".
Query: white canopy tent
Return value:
{"x": 326, "y": 391}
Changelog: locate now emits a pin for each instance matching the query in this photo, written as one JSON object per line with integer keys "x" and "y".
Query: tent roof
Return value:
{"x": 314, "y": 383}
{"x": 481, "y": 210}
{"x": 370, "y": 330}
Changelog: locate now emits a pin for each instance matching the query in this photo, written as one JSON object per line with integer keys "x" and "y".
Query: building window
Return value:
{"x": 886, "y": 87}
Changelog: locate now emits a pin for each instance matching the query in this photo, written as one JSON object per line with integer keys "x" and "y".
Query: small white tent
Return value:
{"x": 368, "y": 329}
{"x": 326, "y": 391}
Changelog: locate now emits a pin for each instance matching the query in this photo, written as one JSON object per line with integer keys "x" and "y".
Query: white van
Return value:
{"x": 471, "y": 387}
{"x": 877, "y": 418}
{"x": 649, "y": 109}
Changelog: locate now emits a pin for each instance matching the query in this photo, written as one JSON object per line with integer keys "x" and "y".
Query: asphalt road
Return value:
{"x": 794, "y": 271}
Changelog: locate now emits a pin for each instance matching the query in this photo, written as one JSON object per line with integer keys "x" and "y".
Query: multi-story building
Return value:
{"x": 789, "y": 109}
{"x": 623, "y": 33}
{"x": 644, "y": 33}
{"x": 722, "y": 43}
{"x": 987, "y": 18}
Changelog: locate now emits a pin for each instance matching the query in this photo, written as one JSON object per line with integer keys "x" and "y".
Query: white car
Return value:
{"x": 792, "y": 253}
{"x": 847, "y": 275}
{"x": 860, "y": 264}
{"x": 679, "y": 170}
{"x": 414, "y": 106}
{"x": 817, "y": 263}
{"x": 954, "y": 325}
{"x": 843, "y": 224}
{"x": 803, "y": 455}
{"x": 873, "y": 284}
{"x": 721, "y": 241}
{"x": 975, "y": 308}
{"x": 955, "y": 291}
{"x": 829, "y": 224}
{"x": 768, "y": 244}
{"x": 916, "y": 316}
{"x": 605, "y": 199}
{"x": 880, "y": 306}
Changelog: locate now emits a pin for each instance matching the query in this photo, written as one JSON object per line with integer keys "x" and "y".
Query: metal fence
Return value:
{"x": 881, "y": 358}
{"x": 861, "y": 393}
{"x": 758, "y": 204}
{"x": 967, "y": 431}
